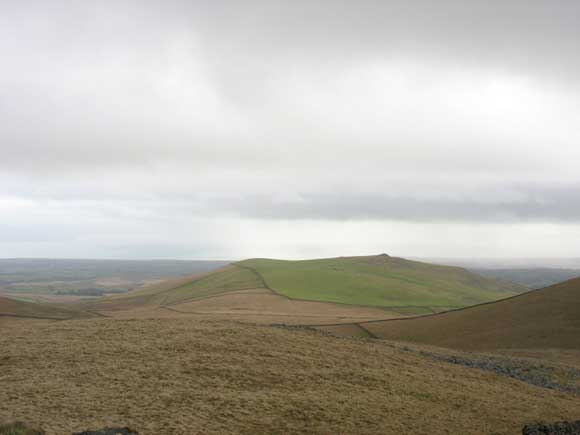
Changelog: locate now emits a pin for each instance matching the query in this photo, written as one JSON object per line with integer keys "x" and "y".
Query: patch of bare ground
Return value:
{"x": 184, "y": 376}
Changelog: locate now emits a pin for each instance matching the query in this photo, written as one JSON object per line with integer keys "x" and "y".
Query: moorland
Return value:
{"x": 350, "y": 345}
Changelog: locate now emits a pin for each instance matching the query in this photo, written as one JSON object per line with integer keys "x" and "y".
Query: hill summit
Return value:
{"x": 380, "y": 280}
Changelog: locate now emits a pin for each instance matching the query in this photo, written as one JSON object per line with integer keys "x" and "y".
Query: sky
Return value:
{"x": 289, "y": 129}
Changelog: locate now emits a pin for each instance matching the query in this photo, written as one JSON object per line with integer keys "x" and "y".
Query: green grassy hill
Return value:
{"x": 402, "y": 286}
{"x": 380, "y": 281}
{"x": 541, "y": 319}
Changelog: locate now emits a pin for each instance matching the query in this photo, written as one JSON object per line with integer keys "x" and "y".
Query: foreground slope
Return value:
{"x": 383, "y": 281}
{"x": 14, "y": 308}
{"x": 184, "y": 376}
{"x": 540, "y": 319}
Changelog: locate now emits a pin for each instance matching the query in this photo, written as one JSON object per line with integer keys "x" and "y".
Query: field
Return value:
{"x": 408, "y": 287}
{"x": 184, "y": 376}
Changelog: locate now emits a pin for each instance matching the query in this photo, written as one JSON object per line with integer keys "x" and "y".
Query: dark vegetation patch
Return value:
{"x": 563, "y": 379}
{"x": 109, "y": 431}
{"x": 560, "y": 428}
{"x": 19, "y": 428}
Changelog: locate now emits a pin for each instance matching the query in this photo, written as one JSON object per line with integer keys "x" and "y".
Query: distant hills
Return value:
{"x": 546, "y": 318}
{"x": 393, "y": 284}
{"x": 90, "y": 277}
{"x": 534, "y": 278}
{"x": 533, "y": 273}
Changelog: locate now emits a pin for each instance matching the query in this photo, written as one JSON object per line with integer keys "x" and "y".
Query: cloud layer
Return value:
{"x": 152, "y": 118}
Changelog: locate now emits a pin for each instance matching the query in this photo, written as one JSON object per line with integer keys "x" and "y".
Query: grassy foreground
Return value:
{"x": 380, "y": 281}
{"x": 183, "y": 376}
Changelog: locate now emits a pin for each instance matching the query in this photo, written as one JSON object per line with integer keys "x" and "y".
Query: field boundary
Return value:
{"x": 448, "y": 311}
{"x": 379, "y": 307}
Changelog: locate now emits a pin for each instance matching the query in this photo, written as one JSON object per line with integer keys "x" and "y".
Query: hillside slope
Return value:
{"x": 15, "y": 308}
{"x": 382, "y": 281}
{"x": 547, "y": 318}
{"x": 183, "y": 289}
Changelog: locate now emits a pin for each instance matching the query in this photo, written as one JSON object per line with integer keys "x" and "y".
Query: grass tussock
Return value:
{"x": 19, "y": 428}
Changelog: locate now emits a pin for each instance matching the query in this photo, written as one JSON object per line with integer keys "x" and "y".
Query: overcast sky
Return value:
{"x": 290, "y": 129}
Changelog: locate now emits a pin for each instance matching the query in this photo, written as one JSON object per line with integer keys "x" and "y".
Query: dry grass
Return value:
{"x": 184, "y": 376}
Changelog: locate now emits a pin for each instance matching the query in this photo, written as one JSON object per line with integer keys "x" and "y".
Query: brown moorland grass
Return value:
{"x": 182, "y": 376}
{"x": 541, "y": 319}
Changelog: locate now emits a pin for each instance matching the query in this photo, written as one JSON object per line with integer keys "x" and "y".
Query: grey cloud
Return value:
{"x": 138, "y": 112}
{"x": 214, "y": 84}
{"x": 539, "y": 204}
